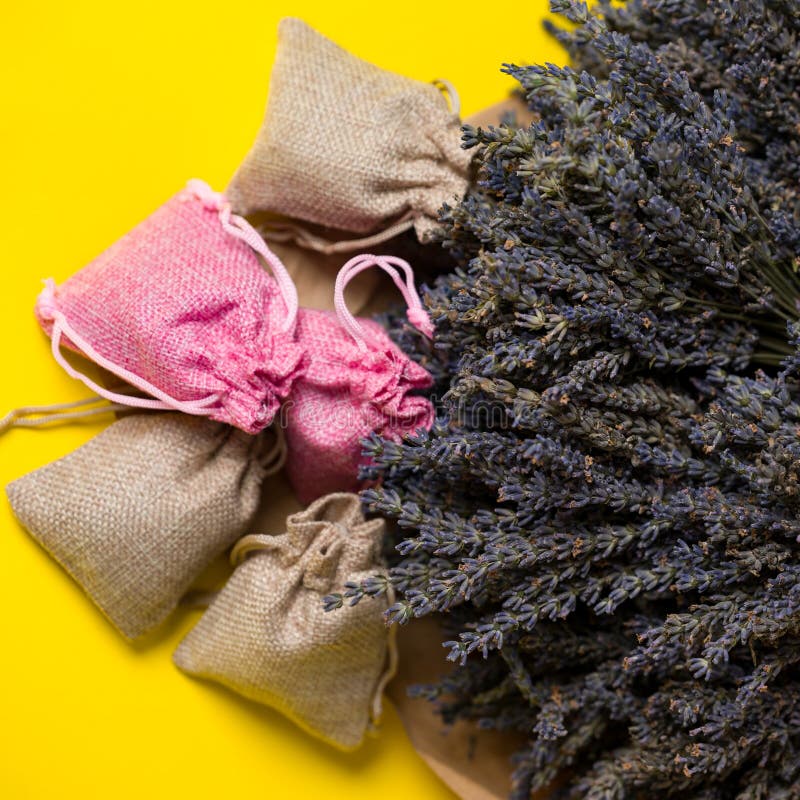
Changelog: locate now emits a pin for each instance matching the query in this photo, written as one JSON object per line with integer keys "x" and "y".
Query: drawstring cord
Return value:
{"x": 447, "y": 88}
{"x": 416, "y": 313}
{"x": 391, "y": 665}
{"x": 274, "y": 459}
{"x": 44, "y": 415}
{"x": 252, "y": 543}
{"x": 240, "y": 228}
{"x": 62, "y": 327}
{"x": 294, "y": 232}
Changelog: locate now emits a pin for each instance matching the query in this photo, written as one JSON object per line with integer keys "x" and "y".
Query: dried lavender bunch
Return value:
{"x": 648, "y": 178}
{"x": 746, "y": 49}
{"x": 606, "y": 512}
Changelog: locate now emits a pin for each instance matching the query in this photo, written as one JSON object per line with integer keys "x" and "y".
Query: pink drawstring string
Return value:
{"x": 416, "y": 314}
{"x": 240, "y": 228}
{"x": 61, "y": 326}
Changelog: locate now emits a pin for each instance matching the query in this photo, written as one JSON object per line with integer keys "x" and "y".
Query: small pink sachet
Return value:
{"x": 182, "y": 308}
{"x": 357, "y": 382}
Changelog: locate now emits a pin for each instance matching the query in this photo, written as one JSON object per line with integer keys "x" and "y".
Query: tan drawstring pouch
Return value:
{"x": 267, "y": 636}
{"x": 349, "y": 146}
{"x": 138, "y": 512}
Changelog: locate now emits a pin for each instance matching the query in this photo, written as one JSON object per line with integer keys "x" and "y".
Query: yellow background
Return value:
{"x": 106, "y": 109}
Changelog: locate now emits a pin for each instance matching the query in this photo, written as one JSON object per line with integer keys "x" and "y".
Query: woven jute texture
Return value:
{"x": 137, "y": 513}
{"x": 267, "y": 636}
{"x": 345, "y": 395}
{"x": 348, "y": 145}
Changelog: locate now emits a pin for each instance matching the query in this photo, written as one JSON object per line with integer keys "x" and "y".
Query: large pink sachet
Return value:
{"x": 182, "y": 308}
{"x": 357, "y": 382}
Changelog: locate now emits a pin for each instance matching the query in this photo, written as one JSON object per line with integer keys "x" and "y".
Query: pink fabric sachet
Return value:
{"x": 182, "y": 308}
{"x": 357, "y": 382}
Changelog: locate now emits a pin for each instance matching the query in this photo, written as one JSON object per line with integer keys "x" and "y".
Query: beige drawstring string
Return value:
{"x": 273, "y": 460}
{"x": 449, "y": 91}
{"x": 252, "y": 543}
{"x": 292, "y": 231}
{"x": 44, "y": 415}
{"x": 393, "y": 660}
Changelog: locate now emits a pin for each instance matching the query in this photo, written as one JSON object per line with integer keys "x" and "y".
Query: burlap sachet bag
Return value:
{"x": 267, "y": 636}
{"x": 348, "y": 145}
{"x": 182, "y": 308}
{"x": 138, "y": 512}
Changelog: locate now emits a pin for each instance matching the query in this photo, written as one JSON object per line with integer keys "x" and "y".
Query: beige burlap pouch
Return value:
{"x": 267, "y": 636}
{"x": 137, "y": 513}
{"x": 348, "y": 145}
